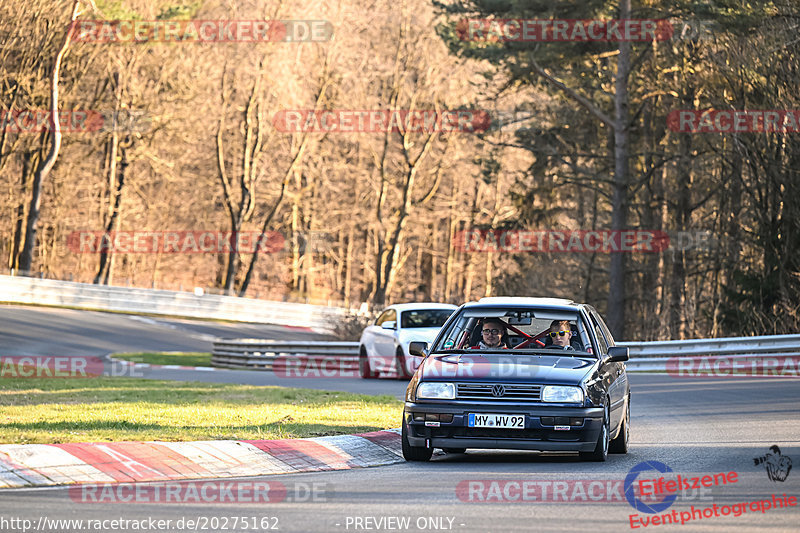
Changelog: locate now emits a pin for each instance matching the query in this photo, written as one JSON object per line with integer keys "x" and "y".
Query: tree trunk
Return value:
{"x": 587, "y": 287}
{"x": 449, "y": 278}
{"x": 107, "y": 259}
{"x": 267, "y": 220}
{"x": 467, "y": 272}
{"x": 298, "y": 156}
{"x": 114, "y": 190}
{"x": 619, "y": 203}
{"x": 348, "y": 266}
{"x": 28, "y": 160}
{"x": 43, "y": 170}
{"x": 676, "y": 322}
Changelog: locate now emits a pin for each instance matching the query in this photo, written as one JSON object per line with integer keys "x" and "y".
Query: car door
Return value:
{"x": 622, "y": 375}
{"x": 370, "y": 333}
{"x": 613, "y": 372}
{"x": 623, "y": 386}
{"x": 384, "y": 339}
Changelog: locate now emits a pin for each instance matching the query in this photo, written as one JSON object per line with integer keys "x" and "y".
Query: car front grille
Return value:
{"x": 499, "y": 392}
{"x": 494, "y": 433}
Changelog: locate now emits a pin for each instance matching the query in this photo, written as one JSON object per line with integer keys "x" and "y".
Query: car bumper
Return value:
{"x": 539, "y": 432}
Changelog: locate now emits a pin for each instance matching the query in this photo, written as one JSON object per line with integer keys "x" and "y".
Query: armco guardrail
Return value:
{"x": 653, "y": 356}
{"x": 280, "y": 355}
{"x": 645, "y": 356}
{"x": 725, "y": 346}
{"x": 24, "y": 290}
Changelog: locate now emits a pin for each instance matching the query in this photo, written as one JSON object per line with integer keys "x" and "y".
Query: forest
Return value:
{"x": 638, "y": 155}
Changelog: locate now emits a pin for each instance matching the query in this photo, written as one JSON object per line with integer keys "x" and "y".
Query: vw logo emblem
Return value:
{"x": 498, "y": 390}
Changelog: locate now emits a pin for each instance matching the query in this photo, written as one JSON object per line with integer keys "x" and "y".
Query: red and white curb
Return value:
{"x": 168, "y": 367}
{"x": 125, "y": 362}
{"x": 26, "y": 465}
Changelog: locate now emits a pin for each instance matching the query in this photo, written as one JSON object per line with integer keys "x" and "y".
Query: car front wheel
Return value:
{"x": 363, "y": 365}
{"x": 413, "y": 453}
{"x": 600, "y": 452}
{"x": 620, "y": 443}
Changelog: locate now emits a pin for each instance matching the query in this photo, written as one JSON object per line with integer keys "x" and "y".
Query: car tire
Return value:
{"x": 454, "y": 450}
{"x": 363, "y": 365}
{"x": 620, "y": 443}
{"x": 600, "y": 452}
{"x": 413, "y": 453}
{"x": 401, "y": 363}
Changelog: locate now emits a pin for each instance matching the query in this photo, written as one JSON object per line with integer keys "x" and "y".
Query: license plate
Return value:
{"x": 487, "y": 420}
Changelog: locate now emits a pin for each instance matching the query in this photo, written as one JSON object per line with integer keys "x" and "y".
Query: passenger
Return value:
{"x": 561, "y": 334}
{"x": 492, "y": 332}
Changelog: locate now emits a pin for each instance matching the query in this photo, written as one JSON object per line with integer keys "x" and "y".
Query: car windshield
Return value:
{"x": 425, "y": 318}
{"x": 526, "y": 329}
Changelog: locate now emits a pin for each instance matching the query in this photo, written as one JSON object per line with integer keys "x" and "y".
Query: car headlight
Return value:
{"x": 562, "y": 394}
{"x": 435, "y": 390}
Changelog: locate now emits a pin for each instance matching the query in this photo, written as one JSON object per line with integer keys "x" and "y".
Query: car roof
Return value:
{"x": 421, "y": 305}
{"x": 550, "y": 303}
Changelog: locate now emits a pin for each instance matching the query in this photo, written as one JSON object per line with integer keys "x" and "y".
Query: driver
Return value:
{"x": 492, "y": 331}
{"x": 561, "y": 333}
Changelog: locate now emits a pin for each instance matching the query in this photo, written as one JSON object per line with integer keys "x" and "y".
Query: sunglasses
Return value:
{"x": 492, "y": 331}
{"x": 559, "y": 333}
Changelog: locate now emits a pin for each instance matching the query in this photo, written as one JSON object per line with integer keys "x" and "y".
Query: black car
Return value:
{"x": 535, "y": 391}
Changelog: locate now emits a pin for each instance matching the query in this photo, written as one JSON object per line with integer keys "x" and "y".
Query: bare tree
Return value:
{"x": 44, "y": 168}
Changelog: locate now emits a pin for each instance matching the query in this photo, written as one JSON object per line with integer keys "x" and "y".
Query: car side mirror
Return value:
{"x": 618, "y": 354}
{"x": 389, "y": 324}
{"x": 417, "y": 348}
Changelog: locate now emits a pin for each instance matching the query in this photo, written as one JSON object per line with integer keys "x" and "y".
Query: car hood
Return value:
{"x": 506, "y": 368}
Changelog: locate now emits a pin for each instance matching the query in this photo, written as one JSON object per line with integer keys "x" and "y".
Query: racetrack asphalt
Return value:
{"x": 66, "y": 332}
{"x": 693, "y": 426}
{"x": 55, "y": 331}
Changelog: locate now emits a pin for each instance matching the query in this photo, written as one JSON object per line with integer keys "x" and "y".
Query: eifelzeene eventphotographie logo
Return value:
{"x": 776, "y": 464}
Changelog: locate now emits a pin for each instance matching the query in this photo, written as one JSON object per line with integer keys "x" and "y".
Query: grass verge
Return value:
{"x": 119, "y": 409}
{"x": 167, "y": 358}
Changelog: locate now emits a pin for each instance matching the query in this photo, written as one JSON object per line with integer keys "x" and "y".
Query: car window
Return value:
{"x": 599, "y": 333}
{"x": 599, "y": 321}
{"x": 605, "y": 329}
{"x": 387, "y": 316}
{"x": 424, "y": 318}
{"x": 523, "y": 323}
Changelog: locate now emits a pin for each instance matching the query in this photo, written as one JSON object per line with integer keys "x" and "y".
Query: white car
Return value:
{"x": 384, "y": 344}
